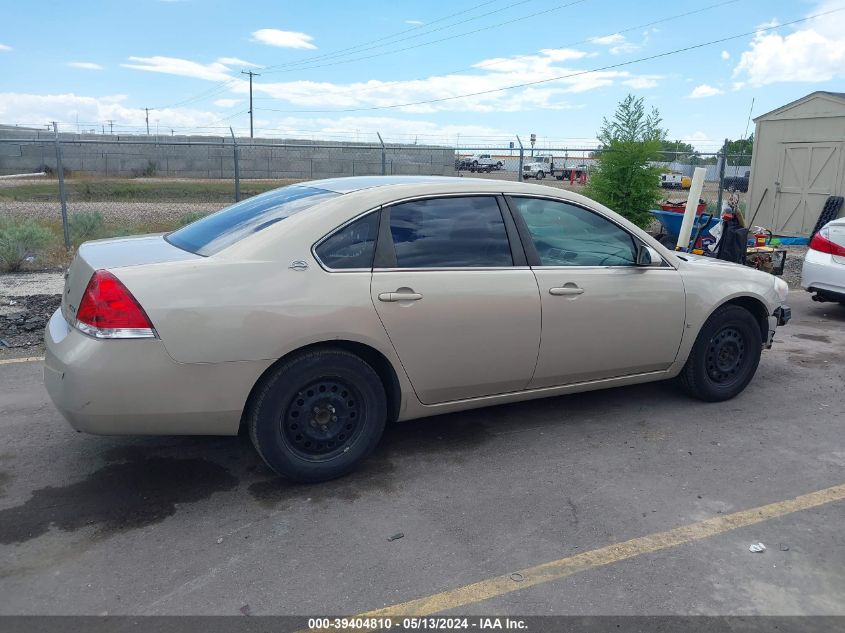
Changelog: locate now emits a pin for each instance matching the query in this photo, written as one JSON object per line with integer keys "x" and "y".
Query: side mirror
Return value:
{"x": 647, "y": 256}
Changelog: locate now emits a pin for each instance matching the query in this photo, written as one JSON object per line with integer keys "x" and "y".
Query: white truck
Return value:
{"x": 539, "y": 167}
{"x": 482, "y": 162}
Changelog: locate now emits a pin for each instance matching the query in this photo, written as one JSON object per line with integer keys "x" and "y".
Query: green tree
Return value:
{"x": 626, "y": 179}
{"x": 677, "y": 151}
{"x": 739, "y": 151}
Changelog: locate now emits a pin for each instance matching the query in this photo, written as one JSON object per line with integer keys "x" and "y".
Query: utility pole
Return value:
{"x": 251, "y": 75}
{"x": 147, "y": 110}
{"x": 104, "y": 129}
{"x": 111, "y": 126}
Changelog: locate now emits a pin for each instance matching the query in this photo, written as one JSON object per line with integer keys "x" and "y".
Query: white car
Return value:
{"x": 824, "y": 263}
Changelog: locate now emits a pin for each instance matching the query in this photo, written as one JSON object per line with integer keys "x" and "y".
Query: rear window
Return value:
{"x": 215, "y": 232}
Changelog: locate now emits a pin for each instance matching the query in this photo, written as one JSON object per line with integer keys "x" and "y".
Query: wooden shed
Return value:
{"x": 798, "y": 161}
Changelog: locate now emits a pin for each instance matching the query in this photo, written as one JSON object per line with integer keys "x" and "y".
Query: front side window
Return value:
{"x": 215, "y": 232}
{"x": 450, "y": 233}
{"x": 352, "y": 246}
{"x": 566, "y": 235}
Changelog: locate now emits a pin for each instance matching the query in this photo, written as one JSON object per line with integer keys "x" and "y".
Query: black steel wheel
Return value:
{"x": 317, "y": 415}
{"x": 725, "y": 355}
{"x": 324, "y": 419}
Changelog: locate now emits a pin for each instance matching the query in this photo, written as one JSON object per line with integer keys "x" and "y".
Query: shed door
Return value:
{"x": 808, "y": 174}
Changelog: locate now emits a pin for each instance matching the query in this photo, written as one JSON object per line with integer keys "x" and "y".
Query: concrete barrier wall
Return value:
{"x": 213, "y": 157}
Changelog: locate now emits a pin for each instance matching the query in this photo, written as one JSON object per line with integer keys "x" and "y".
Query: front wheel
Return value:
{"x": 540, "y": 175}
{"x": 724, "y": 357}
{"x": 318, "y": 415}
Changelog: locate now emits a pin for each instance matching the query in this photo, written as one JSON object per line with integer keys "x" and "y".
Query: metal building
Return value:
{"x": 798, "y": 161}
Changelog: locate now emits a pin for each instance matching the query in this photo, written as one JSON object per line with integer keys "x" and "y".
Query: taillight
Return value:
{"x": 821, "y": 242}
{"x": 108, "y": 310}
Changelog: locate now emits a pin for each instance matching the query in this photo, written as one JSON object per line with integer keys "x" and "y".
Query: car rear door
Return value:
{"x": 603, "y": 316}
{"x": 456, "y": 297}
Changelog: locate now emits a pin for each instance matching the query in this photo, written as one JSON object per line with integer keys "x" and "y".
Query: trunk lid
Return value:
{"x": 114, "y": 254}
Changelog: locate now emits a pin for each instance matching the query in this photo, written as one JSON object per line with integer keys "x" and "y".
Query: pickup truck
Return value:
{"x": 481, "y": 162}
{"x": 737, "y": 183}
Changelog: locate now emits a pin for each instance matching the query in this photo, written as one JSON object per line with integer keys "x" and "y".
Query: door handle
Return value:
{"x": 399, "y": 296}
{"x": 566, "y": 291}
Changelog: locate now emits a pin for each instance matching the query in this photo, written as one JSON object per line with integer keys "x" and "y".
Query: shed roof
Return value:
{"x": 835, "y": 98}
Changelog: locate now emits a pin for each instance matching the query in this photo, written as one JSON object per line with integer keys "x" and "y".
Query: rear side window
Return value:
{"x": 353, "y": 246}
{"x": 450, "y": 233}
{"x": 215, "y": 232}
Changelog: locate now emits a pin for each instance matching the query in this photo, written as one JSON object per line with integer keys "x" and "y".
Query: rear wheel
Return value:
{"x": 318, "y": 415}
{"x": 724, "y": 357}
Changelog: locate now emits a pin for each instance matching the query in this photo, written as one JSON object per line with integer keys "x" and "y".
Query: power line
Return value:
{"x": 221, "y": 86}
{"x": 360, "y": 47}
{"x": 494, "y": 62}
{"x": 442, "y": 39}
{"x": 569, "y": 75}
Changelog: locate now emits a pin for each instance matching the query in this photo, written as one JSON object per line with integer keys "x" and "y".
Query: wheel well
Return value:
{"x": 756, "y": 308}
{"x": 370, "y": 355}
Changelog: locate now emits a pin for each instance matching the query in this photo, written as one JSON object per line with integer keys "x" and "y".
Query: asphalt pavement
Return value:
{"x": 538, "y": 493}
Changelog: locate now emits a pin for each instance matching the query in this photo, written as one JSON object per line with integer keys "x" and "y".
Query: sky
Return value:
{"x": 346, "y": 70}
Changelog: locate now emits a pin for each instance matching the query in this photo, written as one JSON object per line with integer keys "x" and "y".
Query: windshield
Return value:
{"x": 215, "y": 232}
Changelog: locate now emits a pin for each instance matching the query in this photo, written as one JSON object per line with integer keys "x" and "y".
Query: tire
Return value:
{"x": 318, "y": 415}
{"x": 540, "y": 175}
{"x": 724, "y": 357}
{"x": 830, "y": 210}
{"x": 475, "y": 164}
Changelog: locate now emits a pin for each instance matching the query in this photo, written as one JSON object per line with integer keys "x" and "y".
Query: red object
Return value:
{"x": 108, "y": 304}
{"x": 680, "y": 207}
{"x": 571, "y": 176}
{"x": 821, "y": 243}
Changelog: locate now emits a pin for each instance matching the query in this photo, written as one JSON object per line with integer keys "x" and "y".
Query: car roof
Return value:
{"x": 434, "y": 183}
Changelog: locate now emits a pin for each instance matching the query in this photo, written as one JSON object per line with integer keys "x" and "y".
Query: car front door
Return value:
{"x": 456, "y": 297}
{"x": 603, "y": 315}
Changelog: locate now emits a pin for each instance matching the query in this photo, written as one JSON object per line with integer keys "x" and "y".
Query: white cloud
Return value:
{"x": 392, "y": 129}
{"x": 415, "y": 22}
{"x": 704, "y": 90}
{"x": 283, "y": 39}
{"x": 85, "y": 65}
{"x": 617, "y": 43}
{"x": 227, "y": 103}
{"x": 94, "y": 111}
{"x": 216, "y": 71}
{"x": 236, "y": 61}
{"x": 814, "y": 53}
{"x": 607, "y": 40}
{"x": 726, "y": 55}
{"x": 493, "y": 74}
{"x": 643, "y": 82}
{"x": 4, "y": 48}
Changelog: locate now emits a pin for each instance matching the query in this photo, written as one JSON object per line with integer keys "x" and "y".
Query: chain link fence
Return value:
{"x": 85, "y": 186}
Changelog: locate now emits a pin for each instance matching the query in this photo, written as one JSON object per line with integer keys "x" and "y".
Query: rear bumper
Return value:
{"x": 133, "y": 387}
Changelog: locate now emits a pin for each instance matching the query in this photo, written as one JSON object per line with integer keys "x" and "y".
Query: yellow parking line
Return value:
{"x": 557, "y": 569}
{"x": 28, "y": 359}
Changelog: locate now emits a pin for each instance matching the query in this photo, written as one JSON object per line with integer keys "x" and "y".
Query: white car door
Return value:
{"x": 603, "y": 315}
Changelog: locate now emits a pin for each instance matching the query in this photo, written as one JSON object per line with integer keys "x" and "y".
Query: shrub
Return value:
{"x": 626, "y": 179}
{"x": 85, "y": 225}
{"x": 190, "y": 217}
{"x": 20, "y": 240}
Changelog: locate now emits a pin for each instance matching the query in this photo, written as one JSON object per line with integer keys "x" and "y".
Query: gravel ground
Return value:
{"x": 27, "y": 300}
{"x": 136, "y": 212}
